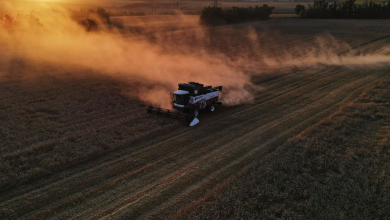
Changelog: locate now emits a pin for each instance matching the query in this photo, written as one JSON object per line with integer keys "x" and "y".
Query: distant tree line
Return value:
{"x": 345, "y": 10}
{"x": 217, "y": 16}
{"x": 101, "y": 14}
{"x": 93, "y": 18}
{"x": 7, "y": 21}
{"x": 128, "y": 13}
{"x": 89, "y": 24}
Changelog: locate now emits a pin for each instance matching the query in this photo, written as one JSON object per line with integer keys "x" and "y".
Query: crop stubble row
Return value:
{"x": 174, "y": 165}
{"x": 209, "y": 154}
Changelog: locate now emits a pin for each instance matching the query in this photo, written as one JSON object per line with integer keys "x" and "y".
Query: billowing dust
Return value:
{"x": 157, "y": 66}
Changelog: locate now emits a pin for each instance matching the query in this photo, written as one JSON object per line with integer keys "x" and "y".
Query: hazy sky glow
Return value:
{"x": 23, "y": 5}
{"x": 61, "y": 41}
{"x": 38, "y": 2}
{"x": 160, "y": 67}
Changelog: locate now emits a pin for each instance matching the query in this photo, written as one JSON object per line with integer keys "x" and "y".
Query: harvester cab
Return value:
{"x": 180, "y": 98}
{"x": 189, "y": 100}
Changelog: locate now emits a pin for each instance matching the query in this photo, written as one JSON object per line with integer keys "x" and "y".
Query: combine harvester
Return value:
{"x": 189, "y": 100}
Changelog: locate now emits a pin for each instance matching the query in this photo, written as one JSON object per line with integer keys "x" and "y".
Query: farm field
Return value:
{"x": 195, "y": 7}
{"x": 169, "y": 6}
{"x": 76, "y": 145}
{"x": 337, "y": 165}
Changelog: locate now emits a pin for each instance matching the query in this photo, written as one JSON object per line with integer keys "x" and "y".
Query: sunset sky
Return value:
{"x": 29, "y": 3}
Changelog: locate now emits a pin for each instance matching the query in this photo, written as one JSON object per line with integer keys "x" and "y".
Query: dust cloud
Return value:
{"x": 157, "y": 67}
{"x": 324, "y": 50}
{"x": 58, "y": 39}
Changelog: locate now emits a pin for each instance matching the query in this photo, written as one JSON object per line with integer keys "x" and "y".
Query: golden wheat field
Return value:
{"x": 305, "y": 115}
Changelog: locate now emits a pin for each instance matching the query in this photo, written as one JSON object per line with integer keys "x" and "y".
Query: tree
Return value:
{"x": 300, "y": 10}
{"x": 104, "y": 15}
{"x": 7, "y": 21}
{"x": 89, "y": 24}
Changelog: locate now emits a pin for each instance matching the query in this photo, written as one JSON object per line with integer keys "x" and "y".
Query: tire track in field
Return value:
{"x": 279, "y": 86}
{"x": 228, "y": 117}
{"x": 93, "y": 179}
{"x": 192, "y": 192}
{"x": 78, "y": 171}
{"x": 359, "y": 87}
{"x": 235, "y": 144}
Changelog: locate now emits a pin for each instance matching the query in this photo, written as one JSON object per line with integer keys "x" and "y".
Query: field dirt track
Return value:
{"x": 161, "y": 174}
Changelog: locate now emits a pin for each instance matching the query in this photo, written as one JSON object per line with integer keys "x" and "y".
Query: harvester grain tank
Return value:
{"x": 189, "y": 100}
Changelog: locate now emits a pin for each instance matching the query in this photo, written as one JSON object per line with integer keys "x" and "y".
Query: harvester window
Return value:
{"x": 182, "y": 99}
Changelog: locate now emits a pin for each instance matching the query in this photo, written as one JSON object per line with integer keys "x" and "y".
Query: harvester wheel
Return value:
{"x": 211, "y": 108}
